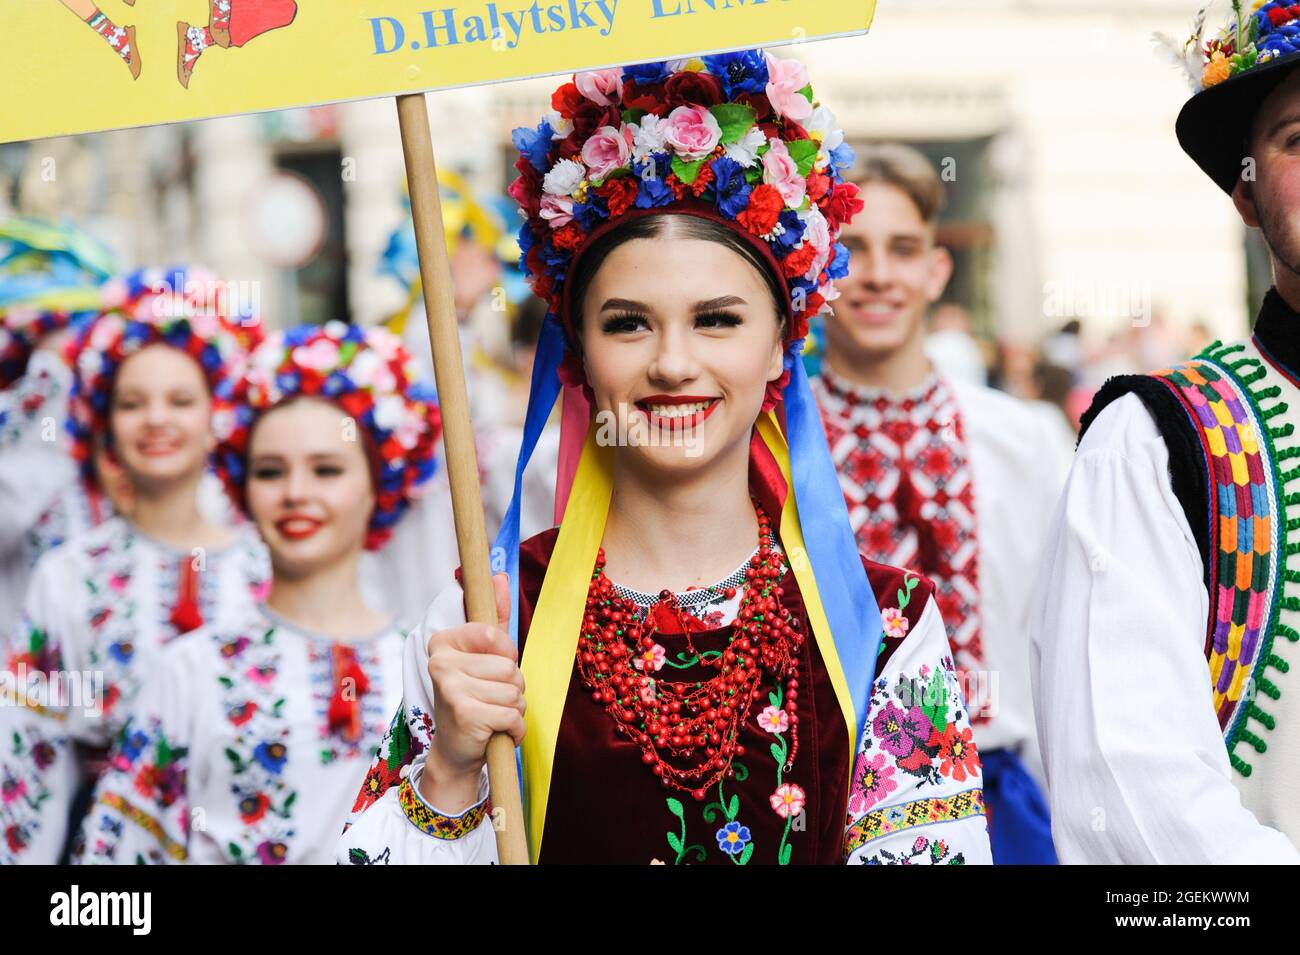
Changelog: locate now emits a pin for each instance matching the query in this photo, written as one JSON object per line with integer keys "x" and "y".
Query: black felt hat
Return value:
{"x": 1213, "y": 126}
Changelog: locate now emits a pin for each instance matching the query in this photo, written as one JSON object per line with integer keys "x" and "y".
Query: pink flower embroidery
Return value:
{"x": 262, "y": 676}
{"x": 788, "y": 800}
{"x": 692, "y": 131}
{"x": 774, "y": 720}
{"x": 895, "y": 624}
{"x": 873, "y": 780}
{"x": 118, "y": 582}
{"x": 653, "y": 658}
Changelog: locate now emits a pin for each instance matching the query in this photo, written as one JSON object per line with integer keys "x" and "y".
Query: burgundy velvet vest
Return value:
{"x": 606, "y": 806}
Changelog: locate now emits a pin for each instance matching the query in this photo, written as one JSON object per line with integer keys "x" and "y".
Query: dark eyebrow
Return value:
{"x": 1283, "y": 122}
{"x": 627, "y": 304}
{"x": 722, "y": 301}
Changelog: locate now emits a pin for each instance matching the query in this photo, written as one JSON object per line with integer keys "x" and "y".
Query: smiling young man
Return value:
{"x": 954, "y": 480}
{"x": 1172, "y": 546}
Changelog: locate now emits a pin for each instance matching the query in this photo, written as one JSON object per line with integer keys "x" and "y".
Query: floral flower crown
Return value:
{"x": 368, "y": 374}
{"x": 178, "y": 307}
{"x": 1260, "y": 31}
{"x": 737, "y": 137}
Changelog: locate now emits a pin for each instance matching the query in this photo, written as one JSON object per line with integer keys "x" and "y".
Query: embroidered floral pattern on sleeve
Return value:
{"x": 408, "y": 736}
{"x": 917, "y": 764}
{"x": 145, "y": 787}
{"x": 25, "y": 759}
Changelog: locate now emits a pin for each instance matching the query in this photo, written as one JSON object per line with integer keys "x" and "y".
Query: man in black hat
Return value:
{"x": 1168, "y": 610}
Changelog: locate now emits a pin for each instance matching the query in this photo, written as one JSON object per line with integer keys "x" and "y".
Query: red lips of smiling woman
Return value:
{"x": 682, "y": 421}
{"x": 297, "y": 527}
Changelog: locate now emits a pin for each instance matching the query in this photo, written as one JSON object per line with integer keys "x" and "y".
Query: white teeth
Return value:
{"x": 678, "y": 411}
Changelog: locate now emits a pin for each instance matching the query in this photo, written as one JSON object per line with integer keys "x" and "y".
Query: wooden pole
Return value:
{"x": 458, "y": 439}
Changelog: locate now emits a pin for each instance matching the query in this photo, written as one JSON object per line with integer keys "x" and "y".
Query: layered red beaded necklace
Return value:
{"x": 697, "y": 724}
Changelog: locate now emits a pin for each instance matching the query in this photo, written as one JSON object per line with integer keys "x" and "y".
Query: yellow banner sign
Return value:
{"x": 76, "y": 66}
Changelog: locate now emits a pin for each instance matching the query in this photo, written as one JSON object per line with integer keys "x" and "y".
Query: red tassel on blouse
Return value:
{"x": 344, "y": 715}
{"x": 185, "y": 612}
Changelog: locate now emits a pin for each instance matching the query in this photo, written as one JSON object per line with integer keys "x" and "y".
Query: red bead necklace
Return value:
{"x": 697, "y": 724}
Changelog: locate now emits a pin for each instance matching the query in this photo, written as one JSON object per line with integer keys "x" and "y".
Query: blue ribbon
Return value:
{"x": 846, "y": 594}
{"x": 542, "y": 394}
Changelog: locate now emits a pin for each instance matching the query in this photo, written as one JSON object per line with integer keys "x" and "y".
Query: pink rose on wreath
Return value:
{"x": 788, "y": 800}
{"x": 785, "y": 78}
{"x": 873, "y": 780}
{"x": 653, "y": 658}
{"x": 692, "y": 131}
{"x": 320, "y": 356}
{"x": 774, "y": 720}
{"x": 894, "y": 623}
{"x": 557, "y": 211}
{"x": 608, "y": 149}
{"x": 602, "y": 87}
{"x": 782, "y": 173}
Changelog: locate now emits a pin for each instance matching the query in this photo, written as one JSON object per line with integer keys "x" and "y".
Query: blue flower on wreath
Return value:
{"x": 839, "y": 264}
{"x": 744, "y": 72}
{"x": 590, "y": 215}
{"x": 843, "y": 156}
{"x": 535, "y": 144}
{"x": 732, "y": 189}
{"x": 646, "y": 73}
{"x": 732, "y": 838}
{"x": 271, "y": 756}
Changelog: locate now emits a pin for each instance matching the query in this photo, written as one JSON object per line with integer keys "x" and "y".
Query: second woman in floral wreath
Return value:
{"x": 251, "y": 744}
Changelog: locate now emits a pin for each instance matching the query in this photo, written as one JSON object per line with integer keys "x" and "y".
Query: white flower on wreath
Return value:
{"x": 745, "y": 150}
{"x": 822, "y": 128}
{"x": 384, "y": 342}
{"x": 390, "y": 415}
{"x": 371, "y": 372}
{"x": 564, "y": 178}
{"x": 560, "y": 127}
{"x": 648, "y": 137}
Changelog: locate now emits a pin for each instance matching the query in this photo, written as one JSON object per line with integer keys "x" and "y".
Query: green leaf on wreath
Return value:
{"x": 687, "y": 172}
{"x": 736, "y": 119}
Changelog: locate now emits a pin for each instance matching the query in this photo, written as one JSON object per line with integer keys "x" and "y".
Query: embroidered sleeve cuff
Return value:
{"x": 434, "y": 822}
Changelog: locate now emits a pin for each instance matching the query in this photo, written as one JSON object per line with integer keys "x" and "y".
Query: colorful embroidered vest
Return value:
{"x": 1234, "y": 398}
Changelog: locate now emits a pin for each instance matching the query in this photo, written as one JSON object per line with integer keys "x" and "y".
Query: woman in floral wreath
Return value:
{"x": 266, "y": 725}
{"x": 151, "y": 377}
{"x": 708, "y": 676}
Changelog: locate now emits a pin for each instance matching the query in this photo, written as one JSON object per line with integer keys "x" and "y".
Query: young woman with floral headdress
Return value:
{"x": 708, "y": 676}
{"x": 151, "y": 376}
{"x": 266, "y": 724}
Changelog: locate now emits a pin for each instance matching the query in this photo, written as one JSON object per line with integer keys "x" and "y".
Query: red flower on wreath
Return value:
{"x": 650, "y": 97}
{"x": 842, "y": 204}
{"x": 692, "y": 89}
{"x": 619, "y": 193}
{"x": 799, "y": 261}
{"x": 566, "y": 100}
{"x": 764, "y": 209}
{"x": 569, "y": 238}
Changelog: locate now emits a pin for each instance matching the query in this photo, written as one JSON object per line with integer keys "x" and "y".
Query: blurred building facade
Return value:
{"x": 1050, "y": 120}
